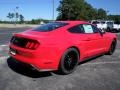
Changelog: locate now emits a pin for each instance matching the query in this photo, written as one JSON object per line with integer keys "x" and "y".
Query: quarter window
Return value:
{"x": 88, "y": 28}
{"x": 77, "y": 29}
{"x": 84, "y": 28}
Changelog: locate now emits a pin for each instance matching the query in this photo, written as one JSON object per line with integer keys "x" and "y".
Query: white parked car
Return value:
{"x": 116, "y": 26}
{"x": 104, "y": 24}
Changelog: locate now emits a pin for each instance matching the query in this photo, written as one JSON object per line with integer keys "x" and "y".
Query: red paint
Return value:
{"x": 53, "y": 44}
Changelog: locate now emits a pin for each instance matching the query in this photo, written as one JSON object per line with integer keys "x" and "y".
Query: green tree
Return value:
{"x": 21, "y": 18}
{"x": 10, "y": 15}
{"x": 116, "y": 18}
{"x": 75, "y": 10}
{"x": 17, "y": 16}
{"x": 67, "y": 9}
{"x": 33, "y": 21}
{"x": 79, "y": 10}
{"x": 101, "y": 14}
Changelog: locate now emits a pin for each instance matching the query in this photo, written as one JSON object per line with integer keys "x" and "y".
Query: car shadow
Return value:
{"x": 90, "y": 59}
{"x": 25, "y": 70}
{"x": 83, "y": 62}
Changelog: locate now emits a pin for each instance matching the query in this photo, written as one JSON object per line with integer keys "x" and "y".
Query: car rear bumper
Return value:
{"x": 36, "y": 59}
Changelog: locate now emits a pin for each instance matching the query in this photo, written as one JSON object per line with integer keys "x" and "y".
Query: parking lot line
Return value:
{"x": 4, "y": 48}
{"x": 3, "y": 45}
{"x": 3, "y": 59}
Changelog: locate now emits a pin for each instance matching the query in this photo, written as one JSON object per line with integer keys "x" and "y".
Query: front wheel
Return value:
{"x": 69, "y": 61}
{"x": 112, "y": 48}
{"x": 108, "y": 29}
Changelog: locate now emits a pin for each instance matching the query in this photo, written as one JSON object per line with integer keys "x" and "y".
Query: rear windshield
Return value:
{"x": 102, "y": 22}
{"x": 50, "y": 26}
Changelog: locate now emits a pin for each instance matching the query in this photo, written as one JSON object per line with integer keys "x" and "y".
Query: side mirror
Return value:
{"x": 102, "y": 31}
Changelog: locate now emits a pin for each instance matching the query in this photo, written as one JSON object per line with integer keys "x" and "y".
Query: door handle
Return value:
{"x": 88, "y": 39}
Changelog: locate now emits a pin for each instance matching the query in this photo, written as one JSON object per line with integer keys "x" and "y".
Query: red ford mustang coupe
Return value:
{"x": 61, "y": 45}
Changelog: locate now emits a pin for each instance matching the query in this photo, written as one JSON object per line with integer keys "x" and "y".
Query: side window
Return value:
{"x": 85, "y": 28}
{"x": 88, "y": 28}
{"x": 95, "y": 29}
{"x": 76, "y": 29}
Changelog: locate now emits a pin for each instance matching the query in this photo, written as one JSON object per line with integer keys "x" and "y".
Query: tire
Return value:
{"x": 69, "y": 61}
{"x": 112, "y": 48}
{"x": 108, "y": 29}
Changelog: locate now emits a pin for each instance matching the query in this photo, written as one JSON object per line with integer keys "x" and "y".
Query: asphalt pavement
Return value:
{"x": 6, "y": 34}
{"x": 100, "y": 73}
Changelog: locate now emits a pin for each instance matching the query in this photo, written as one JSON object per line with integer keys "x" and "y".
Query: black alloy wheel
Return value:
{"x": 69, "y": 61}
{"x": 112, "y": 47}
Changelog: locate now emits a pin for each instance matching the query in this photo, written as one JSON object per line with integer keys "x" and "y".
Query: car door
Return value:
{"x": 88, "y": 39}
{"x": 80, "y": 39}
{"x": 94, "y": 39}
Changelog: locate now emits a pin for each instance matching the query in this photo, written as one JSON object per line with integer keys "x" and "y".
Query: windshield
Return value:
{"x": 102, "y": 22}
{"x": 50, "y": 26}
{"x": 109, "y": 22}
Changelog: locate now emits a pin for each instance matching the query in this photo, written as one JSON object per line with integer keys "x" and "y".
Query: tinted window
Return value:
{"x": 109, "y": 22}
{"x": 95, "y": 29}
{"x": 117, "y": 22}
{"x": 77, "y": 29}
{"x": 102, "y": 22}
{"x": 90, "y": 28}
{"x": 49, "y": 26}
{"x": 85, "y": 28}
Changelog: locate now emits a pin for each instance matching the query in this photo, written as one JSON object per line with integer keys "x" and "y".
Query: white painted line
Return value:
{"x": 4, "y": 48}
{"x": 3, "y": 59}
{"x": 3, "y": 45}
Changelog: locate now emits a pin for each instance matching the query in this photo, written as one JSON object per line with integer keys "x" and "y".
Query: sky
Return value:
{"x": 112, "y": 6}
{"x": 33, "y": 9}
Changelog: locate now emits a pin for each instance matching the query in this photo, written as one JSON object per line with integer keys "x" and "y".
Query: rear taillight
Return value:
{"x": 25, "y": 43}
{"x": 32, "y": 45}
